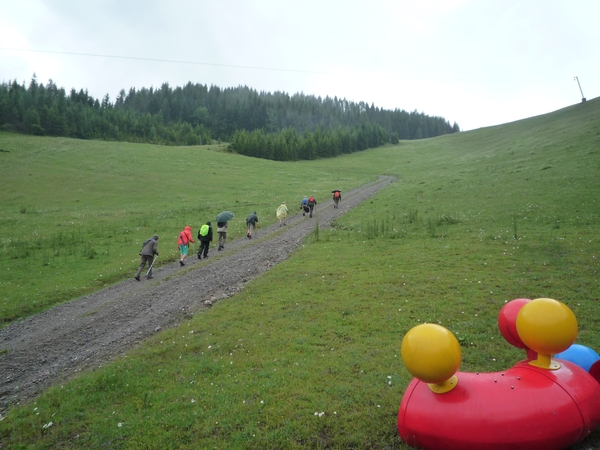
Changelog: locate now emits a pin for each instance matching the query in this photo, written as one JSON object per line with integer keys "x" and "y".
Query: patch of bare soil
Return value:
{"x": 54, "y": 345}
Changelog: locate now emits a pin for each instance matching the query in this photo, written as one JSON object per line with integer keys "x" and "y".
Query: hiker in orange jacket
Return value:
{"x": 185, "y": 237}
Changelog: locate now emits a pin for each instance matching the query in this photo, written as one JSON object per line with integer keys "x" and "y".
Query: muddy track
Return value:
{"x": 82, "y": 334}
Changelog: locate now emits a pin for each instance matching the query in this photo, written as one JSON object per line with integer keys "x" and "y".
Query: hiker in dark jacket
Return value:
{"x": 337, "y": 197}
{"x": 149, "y": 249}
{"x": 311, "y": 204}
{"x": 251, "y": 222}
{"x": 205, "y": 236}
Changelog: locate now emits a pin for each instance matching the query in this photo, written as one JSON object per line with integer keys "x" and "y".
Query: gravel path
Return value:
{"x": 54, "y": 345}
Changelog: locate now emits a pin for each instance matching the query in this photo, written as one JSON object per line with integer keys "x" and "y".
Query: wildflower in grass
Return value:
{"x": 48, "y": 425}
{"x": 120, "y": 424}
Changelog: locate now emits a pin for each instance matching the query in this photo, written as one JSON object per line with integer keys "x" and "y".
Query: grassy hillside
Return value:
{"x": 75, "y": 213}
{"x": 307, "y": 356}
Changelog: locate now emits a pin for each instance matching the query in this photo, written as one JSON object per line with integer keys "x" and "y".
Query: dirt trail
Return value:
{"x": 54, "y": 345}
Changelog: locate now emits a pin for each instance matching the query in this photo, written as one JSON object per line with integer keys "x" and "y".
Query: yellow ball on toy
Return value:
{"x": 431, "y": 353}
{"x": 547, "y": 326}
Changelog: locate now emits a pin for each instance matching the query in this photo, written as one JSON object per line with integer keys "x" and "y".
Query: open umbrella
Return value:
{"x": 225, "y": 216}
{"x": 335, "y": 190}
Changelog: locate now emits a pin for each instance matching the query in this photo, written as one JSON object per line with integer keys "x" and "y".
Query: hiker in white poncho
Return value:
{"x": 282, "y": 213}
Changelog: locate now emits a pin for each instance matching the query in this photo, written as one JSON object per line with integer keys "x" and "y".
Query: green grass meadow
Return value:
{"x": 308, "y": 355}
{"x": 75, "y": 213}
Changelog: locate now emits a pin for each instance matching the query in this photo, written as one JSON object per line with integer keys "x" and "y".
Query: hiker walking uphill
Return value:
{"x": 304, "y": 206}
{"x": 337, "y": 197}
{"x": 149, "y": 249}
{"x": 205, "y": 236}
{"x": 222, "y": 232}
{"x": 282, "y": 213}
{"x": 222, "y": 219}
{"x": 311, "y": 204}
{"x": 251, "y": 222}
{"x": 184, "y": 240}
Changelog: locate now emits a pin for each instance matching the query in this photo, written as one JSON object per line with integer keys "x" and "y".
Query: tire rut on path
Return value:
{"x": 54, "y": 345}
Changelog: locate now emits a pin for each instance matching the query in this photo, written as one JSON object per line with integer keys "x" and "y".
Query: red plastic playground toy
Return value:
{"x": 539, "y": 403}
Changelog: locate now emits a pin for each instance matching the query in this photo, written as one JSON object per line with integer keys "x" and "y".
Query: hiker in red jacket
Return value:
{"x": 185, "y": 237}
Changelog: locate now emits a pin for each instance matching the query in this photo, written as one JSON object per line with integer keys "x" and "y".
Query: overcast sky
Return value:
{"x": 474, "y": 62}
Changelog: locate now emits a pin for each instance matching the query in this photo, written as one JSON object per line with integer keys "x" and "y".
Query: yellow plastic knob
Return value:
{"x": 547, "y": 327}
{"x": 431, "y": 353}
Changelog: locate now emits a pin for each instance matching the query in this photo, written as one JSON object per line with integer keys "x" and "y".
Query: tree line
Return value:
{"x": 288, "y": 145}
{"x": 261, "y": 124}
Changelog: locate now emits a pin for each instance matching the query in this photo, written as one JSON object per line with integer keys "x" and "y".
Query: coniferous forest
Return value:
{"x": 260, "y": 124}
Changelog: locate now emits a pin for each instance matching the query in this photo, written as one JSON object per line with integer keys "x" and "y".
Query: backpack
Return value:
{"x": 336, "y": 194}
{"x": 203, "y": 231}
{"x": 311, "y": 199}
{"x": 304, "y": 201}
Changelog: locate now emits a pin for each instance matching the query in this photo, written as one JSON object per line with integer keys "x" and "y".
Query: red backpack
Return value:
{"x": 311, "y": 199}
{"x": 336, "y": 194}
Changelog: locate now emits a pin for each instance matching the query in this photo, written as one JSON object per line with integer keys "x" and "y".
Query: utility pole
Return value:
{"x": 582, "y": 96}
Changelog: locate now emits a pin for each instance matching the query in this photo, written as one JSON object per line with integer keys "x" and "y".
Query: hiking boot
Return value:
{"x": 205, "y": 256}
{"x": 200, "y": 256}
{"x": 181, "y": 262}
{"x": 137, "y": 278}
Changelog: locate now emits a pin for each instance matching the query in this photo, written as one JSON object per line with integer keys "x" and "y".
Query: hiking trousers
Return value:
{"x": 203, "y": 250}
{"x": 145, "y": 259}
